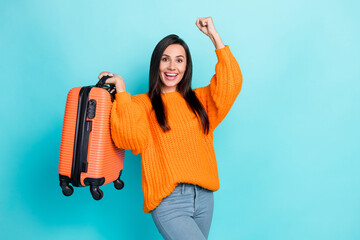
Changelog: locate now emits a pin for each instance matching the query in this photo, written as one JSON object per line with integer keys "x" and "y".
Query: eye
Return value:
{"x": 180, "y": 60}
{"x": 164, "y": 59}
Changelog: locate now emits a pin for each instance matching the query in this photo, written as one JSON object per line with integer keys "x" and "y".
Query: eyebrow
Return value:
{"x": 176, "y": 56}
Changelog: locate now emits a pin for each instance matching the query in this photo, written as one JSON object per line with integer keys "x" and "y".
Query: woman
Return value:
{"x": 171, "y": 127}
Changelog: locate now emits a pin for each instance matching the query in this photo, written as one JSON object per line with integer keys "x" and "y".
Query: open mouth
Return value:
{"x": 170, "y": 76}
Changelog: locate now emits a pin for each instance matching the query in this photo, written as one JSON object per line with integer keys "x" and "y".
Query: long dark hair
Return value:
{"x": 184, "y": 86}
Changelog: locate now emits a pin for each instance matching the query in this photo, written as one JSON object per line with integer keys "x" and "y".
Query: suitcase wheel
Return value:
{"x": 67, "y": 190}
{"x": 119, "y": 184}
{"x": 96, "y": 192}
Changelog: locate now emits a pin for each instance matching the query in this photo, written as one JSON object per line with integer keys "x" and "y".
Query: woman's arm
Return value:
{"x": 129, "y": 120}
{"x": 206, "y": 25}
{"x": 226, "y": 83}
{"x": 129, "y": 123}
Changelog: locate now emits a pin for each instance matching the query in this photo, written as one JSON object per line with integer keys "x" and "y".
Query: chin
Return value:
{"x": 167, "y": 83}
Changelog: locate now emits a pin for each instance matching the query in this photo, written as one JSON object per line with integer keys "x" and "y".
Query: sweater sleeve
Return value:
{"x": 223, "y": 89}
{"x": 129, "y": 123}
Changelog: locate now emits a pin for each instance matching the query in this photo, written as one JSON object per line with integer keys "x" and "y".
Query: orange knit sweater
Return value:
{"x": 183, "y": 154}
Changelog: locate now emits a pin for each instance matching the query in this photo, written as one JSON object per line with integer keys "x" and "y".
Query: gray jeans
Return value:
{"x": 185, "y": 214}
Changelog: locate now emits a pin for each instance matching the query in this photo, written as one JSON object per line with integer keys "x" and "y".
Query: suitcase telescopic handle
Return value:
{"x": 101, "y": 82}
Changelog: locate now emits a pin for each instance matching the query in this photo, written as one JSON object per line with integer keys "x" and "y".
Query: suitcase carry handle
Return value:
{"x": 111, "y": 89}
{"x": 101, "y": 82}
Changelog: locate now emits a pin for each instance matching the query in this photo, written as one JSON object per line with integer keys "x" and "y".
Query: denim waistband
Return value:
{"x": 182, "y": 186}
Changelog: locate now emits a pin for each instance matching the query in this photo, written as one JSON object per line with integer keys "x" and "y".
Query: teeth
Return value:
{"x": 171, "y": 74}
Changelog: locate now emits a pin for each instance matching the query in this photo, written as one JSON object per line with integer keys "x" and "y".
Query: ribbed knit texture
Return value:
{"x": 185, "y": 153}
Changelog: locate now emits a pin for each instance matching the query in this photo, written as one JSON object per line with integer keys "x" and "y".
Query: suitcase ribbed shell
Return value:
{"x": 104, "y": 158}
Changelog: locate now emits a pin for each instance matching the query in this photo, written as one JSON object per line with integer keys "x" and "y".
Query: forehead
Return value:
{"x": 175, "y": 50}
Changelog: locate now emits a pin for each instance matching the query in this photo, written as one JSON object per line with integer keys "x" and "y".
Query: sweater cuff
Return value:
{"x": 223, "y": 52}
{"x": 123, "y": 97}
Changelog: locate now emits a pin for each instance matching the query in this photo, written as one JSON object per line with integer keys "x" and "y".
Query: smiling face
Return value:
{"x": 172, "y": 67}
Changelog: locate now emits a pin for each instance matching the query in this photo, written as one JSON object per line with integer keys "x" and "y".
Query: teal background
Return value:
{"x": 288, "y": 151}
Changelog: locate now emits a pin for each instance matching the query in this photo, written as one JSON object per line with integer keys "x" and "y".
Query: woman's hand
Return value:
{"x": 206, "y": 25}
{"x": 114, "y": 79}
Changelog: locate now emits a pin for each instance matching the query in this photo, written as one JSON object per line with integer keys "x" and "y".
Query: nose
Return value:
{"x": 171, "y": 65}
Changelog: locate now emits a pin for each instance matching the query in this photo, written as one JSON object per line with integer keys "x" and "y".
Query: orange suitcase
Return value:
{"x": 88, "y": 156}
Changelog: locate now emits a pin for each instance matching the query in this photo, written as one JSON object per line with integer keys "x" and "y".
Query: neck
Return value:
{"x": 168, "y": 90}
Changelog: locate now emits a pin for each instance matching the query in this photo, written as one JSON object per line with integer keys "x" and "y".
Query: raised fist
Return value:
{"x": 206, "y": 25}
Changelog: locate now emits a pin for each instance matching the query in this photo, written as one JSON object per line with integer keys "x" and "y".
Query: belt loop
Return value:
{"x": 182, "y": 189}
